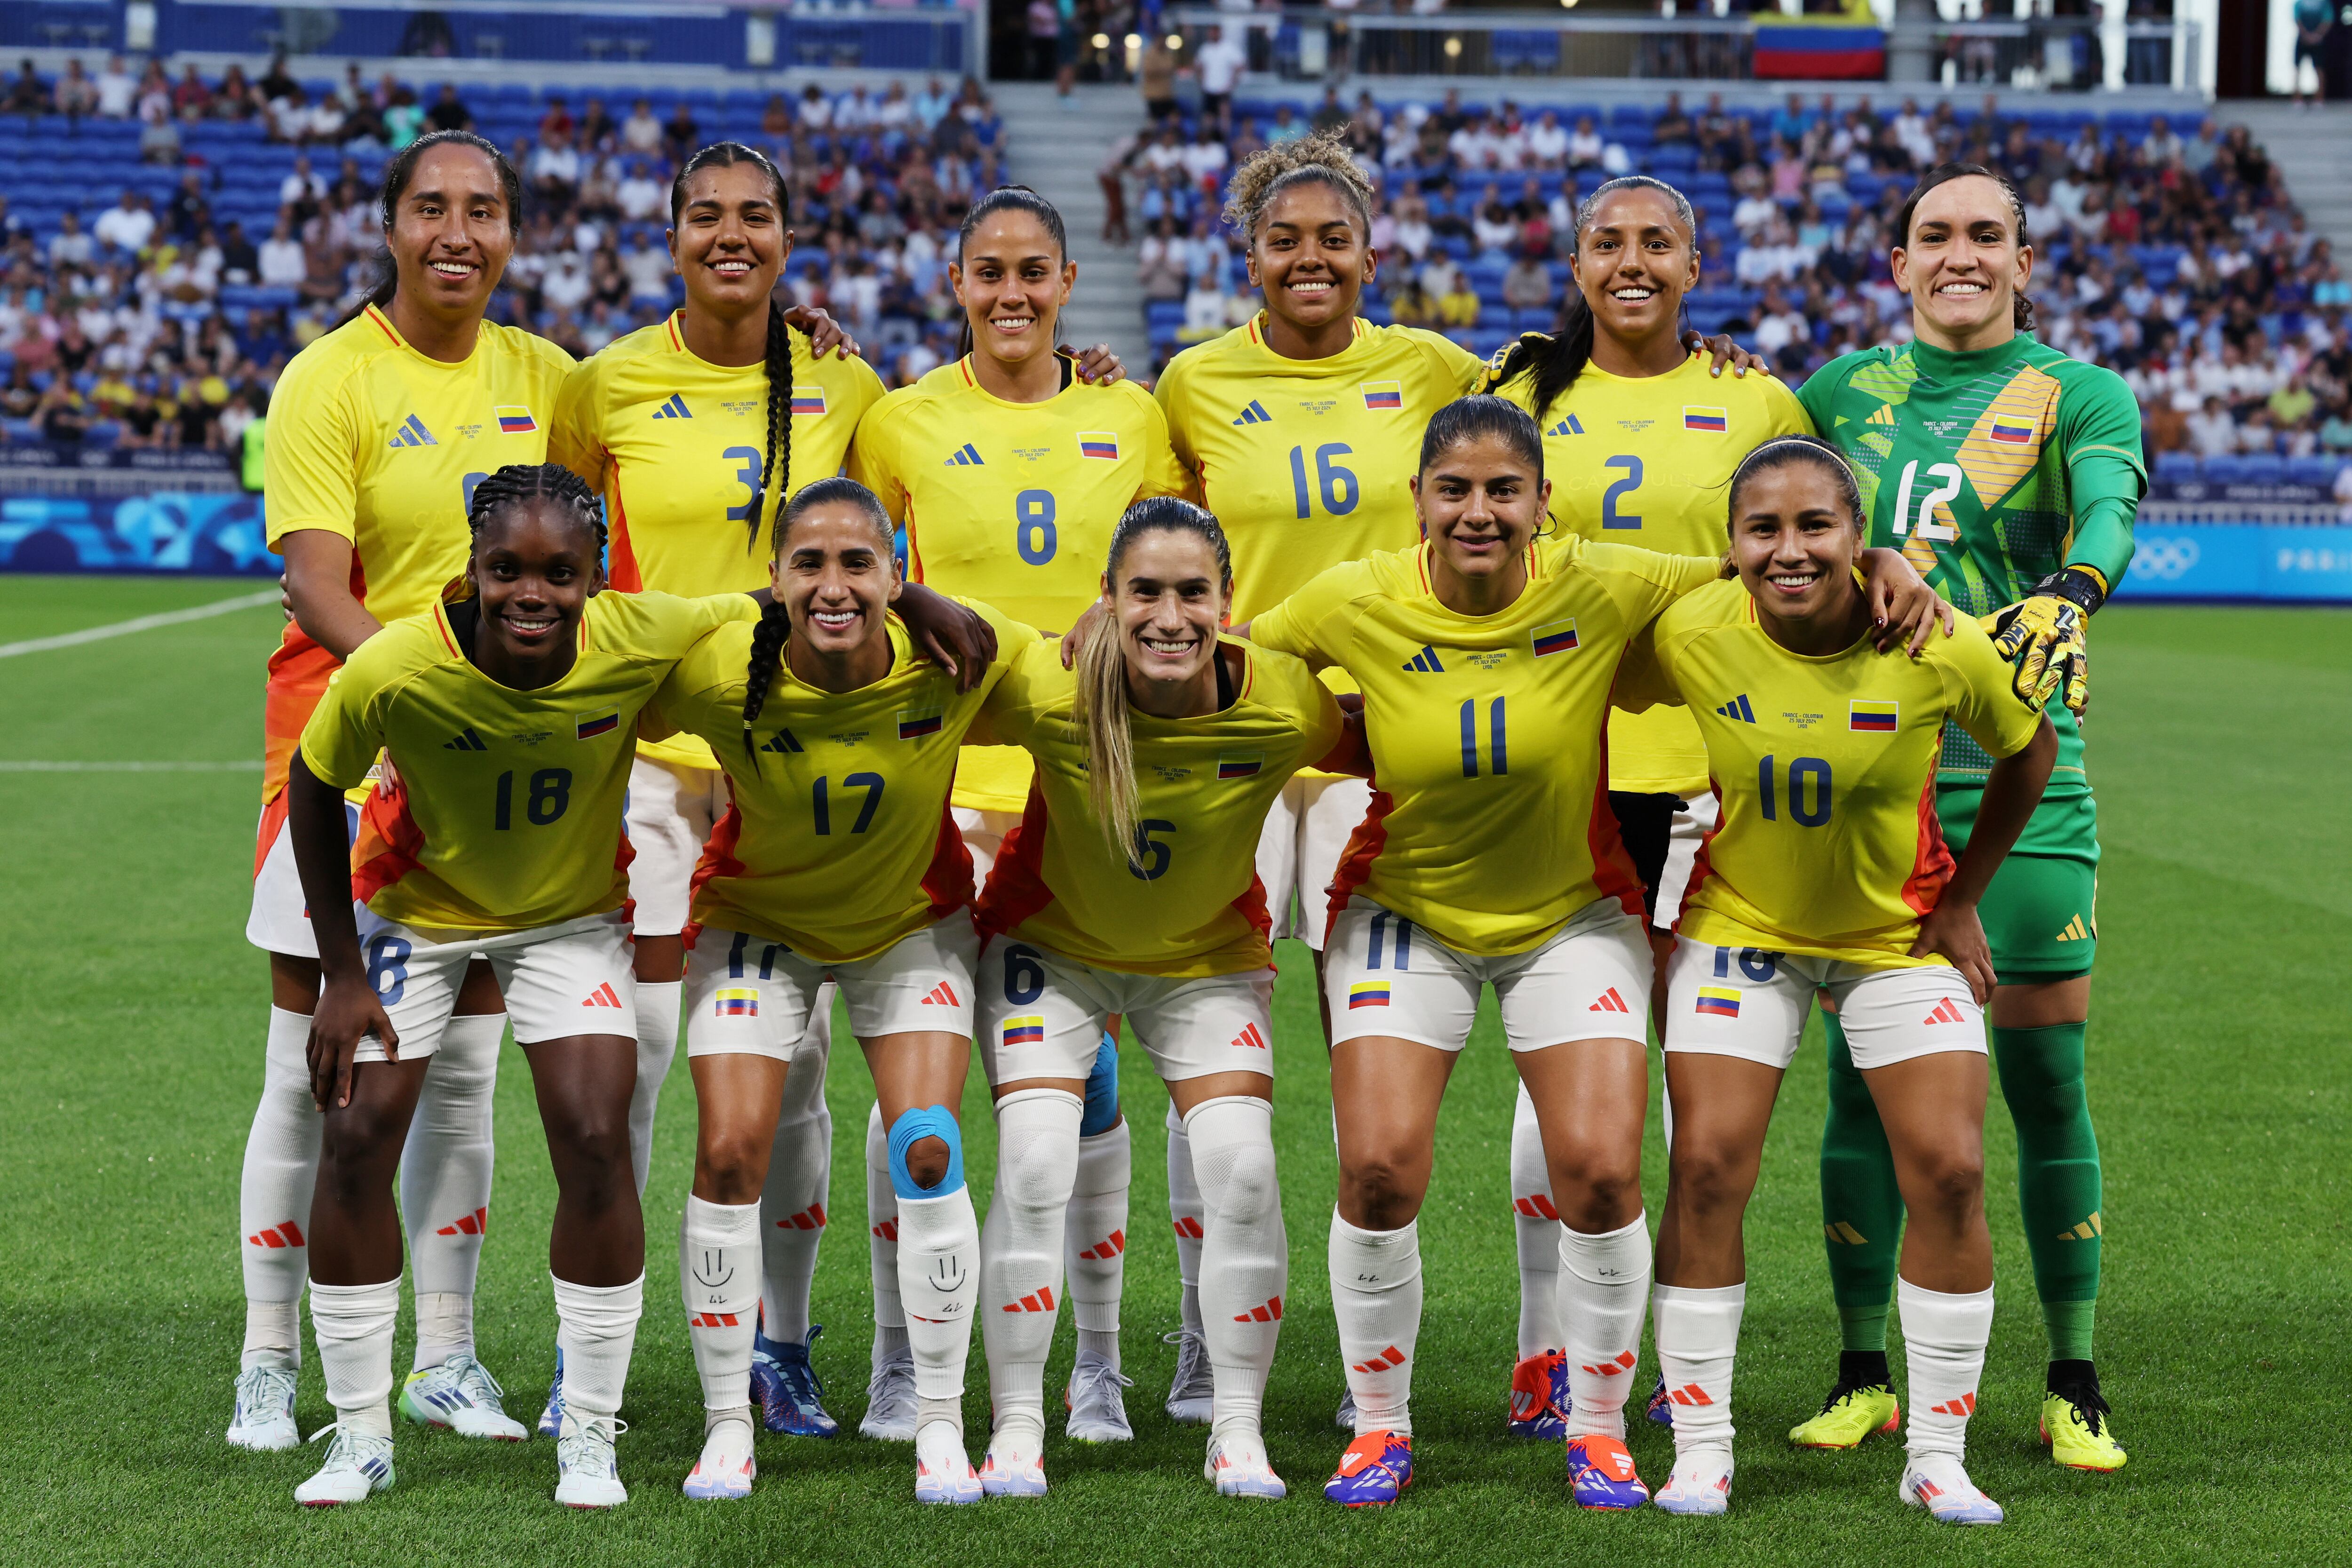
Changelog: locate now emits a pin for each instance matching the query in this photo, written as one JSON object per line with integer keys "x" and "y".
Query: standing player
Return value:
{"x": 507, "y": 715}
{"x": 1826, "y": 875}
{"x": 1008, "y": 472}
{"x": 1128, "y": 890}
{"x": 1639, "y": 437}
{"x": 380, "y": 432}
{"x": 2010, "y": 474}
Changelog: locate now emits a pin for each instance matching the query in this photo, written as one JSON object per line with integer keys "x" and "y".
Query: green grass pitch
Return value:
{"x": 130, "y": 1025}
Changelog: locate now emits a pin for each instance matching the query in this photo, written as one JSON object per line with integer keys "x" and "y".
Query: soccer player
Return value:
{"x": 837, "y": 861}
{"x": 506, "y": 718}
{"x": 1485, "y": 658}
{"x": 1008, "y": 472}
{"x": 380, "y": 432}
{"x": 1825, "y": 875}
{"x": 2010, "y": 474}
{"x": 1639, "y": 437}
{"x": 1128, "y": 889}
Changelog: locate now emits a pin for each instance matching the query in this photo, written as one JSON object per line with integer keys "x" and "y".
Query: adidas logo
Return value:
{"x": 809, "y": 1218}
{"x": 1271, "y": 1312}
{"x": 1946, "y": 1012}
{"x": 1568, "y": 426}
{"x": 783, "y": 743}
{"x": 2074, "y": 931}
{"x": 1249, "y": 1040}
{"x": 1188, "y": 1228}
{"x": 1691, "y": 1394}
{"x": 1388, "y": 1360}
{"x": 1535, "y": 1206}
{"x": 1610, "y": 1003}
{"x": 413, "y": 433}
{"x": 1110, "y": 1246}
{"x": 888, "y": 1230}
{"x": 474, "y": 1224}
{"x": 284, "y": 1233}
{"x": 1624, "y": 1364}
{"x": 1841, "y": 1231}
{"x": 602, "y": 996}
{"x": 675, "y": 408}
{"x": 964, "y": 458}
{"x": 1882, "y": 414}
{"x": 942, "y": 996}
{"x": 713, "y": 1320}
{"x": 1965, "y": 1406}
{"x": 1426, "y": 661}
{"x": 1738, "y": 709}
{"x": 1255, "y": 414}
{"x": 1042, "y": 1300}
{"x": 2088, "y": 1230}
{"x": 465, "y": 741}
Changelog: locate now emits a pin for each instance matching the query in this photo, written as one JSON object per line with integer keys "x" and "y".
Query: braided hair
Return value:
{"x": 517, "y": 483}
{"x": 775, "y": 472}
{"x": 774, "y": 628}
{"x": 2021, "y": 309}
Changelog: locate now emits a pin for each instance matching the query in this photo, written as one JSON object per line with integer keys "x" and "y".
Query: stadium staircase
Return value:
{"x": 2313, "y": 150}
{"x": 1056, "y": 148}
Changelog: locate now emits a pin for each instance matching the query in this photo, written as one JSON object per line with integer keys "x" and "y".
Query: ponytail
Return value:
{"x": 775, "y": 475}
{"x": 774, "y": 628}
{"x": 1014, "y": 198}
{"x": 768, "y": 637}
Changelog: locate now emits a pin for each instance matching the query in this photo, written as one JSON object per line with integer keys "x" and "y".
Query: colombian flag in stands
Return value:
{"x": 1822, "y": 49}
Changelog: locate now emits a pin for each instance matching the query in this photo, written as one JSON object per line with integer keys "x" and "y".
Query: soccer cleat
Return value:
{"x": 550, "y": 1418}
{"x": 1015, "y": 1466}
{"x": 264, "y": 1421}
{"x": 1938, "y": 1483}
{"x": 1345, "y": 1418}
{"x": 461, "y": 1396}
{"x": 786, "y": 1387}
{"x": 1239, "y": 1467}
{"x": 1539, "y": 1399}
{"x": 2075, "y": 1428}
{"x": 357, "y": 1467}
{"x": 1373, "y": 1471}
{"x": 943, "y": 1470}
{"x": 1700, "y": 1484}
{"x": 724, "y": 1472}
{"x": 587, "y": 1473}
{"x": 1190, "y": 1393}
{"x": 1097, "y": 1409}
{"x": 1662, "y": 1404}
{"x": 890, "y": 1401}
{"x": 1850, "y": 1414}
{"x": 1600, "y": 1474}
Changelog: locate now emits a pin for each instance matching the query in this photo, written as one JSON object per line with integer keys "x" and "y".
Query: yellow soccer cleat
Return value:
{"x": 1848, "y": 1415}
{"x": 2075, "y": 1426}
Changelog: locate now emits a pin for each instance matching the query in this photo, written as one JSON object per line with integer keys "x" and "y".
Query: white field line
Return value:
{"x": 142, "y": 623}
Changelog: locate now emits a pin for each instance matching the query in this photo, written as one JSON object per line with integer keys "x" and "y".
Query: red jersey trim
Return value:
{"x": 1931, "y": 861}
{"x": 717, "y": 860}
{"x": 385, "y": 326}
{"x": 1364, "y": 847}
{"x": 624, "y": 574}
{"x": 1612, "y": 868}
{"x": 389, "y": 846}
{"x": 947, "y": 881}
{"x": 1016, "y": 884}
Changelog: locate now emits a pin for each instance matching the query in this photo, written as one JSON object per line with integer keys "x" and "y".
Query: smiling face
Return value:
{"x": 1170, "y": 600}
{"x": 452, "y": 232}
{"x": 1794, "y": 543}
{"x": 1311, "y": 255}
{"x": 533, "y": 567}
{"x": 835, "y": 578}
{"x": 1479, "y": 502}
{"x": 728, "y": 240}
{"x": 1634, "y": 261}
{"x": 1011, "y": 281}
{"x": 1962, "y": 265}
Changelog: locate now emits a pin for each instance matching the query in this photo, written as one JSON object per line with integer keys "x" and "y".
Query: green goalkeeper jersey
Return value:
{"x": 1990, "y": 470}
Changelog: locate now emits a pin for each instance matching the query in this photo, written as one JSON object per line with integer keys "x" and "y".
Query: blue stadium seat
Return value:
{"x": 2176, "y": 467}
{"x": 2318, "y": 471}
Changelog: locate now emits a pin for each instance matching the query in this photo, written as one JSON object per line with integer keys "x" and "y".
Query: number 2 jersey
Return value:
{"x": 1489, "y": 824}
{"x": 1825, "y": 767}
{"x": 505, "y": 815}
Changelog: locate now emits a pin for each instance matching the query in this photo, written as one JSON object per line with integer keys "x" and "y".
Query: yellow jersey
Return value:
{"x": 506, "y": 812}
{"x": 1489, "y": 824}
{"x": 1828, "y": 846}
{"x": 1647, "y": 461}
{"x": 839, "y": 841}
{"x": 372, "y": 440}
{"x": 1011, "y": 503}
{"x": 678, "y": 446}
{"x": 1188, "y": 902}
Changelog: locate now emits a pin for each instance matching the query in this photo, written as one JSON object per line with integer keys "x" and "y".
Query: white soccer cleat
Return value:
{"x": 1345, "y": 1418}
{"x": 461, "y": 1396}
{"x": 890, "y": 1402}
{"x": 1015, "y": 1464}
{"x": 724, "y": 1472}
{"x": 943, "y": 1470}
{"x": 1939, "y": 1483}
{"x": 587, "y": 1472}
{"x": 1700, "y": 1484}
{"x": 264, "y": 1421}
{"x": 1189, "y": 1397}
{"x": 1239, "y": 1467}
{"x": 357, "y": 1467}
{"x": 1097, "y": 1408}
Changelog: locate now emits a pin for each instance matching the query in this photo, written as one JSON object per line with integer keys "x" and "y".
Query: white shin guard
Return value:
{"x": 1021, "y": 1252}
{"x": 882, "y": 1242}
{"x": 1244, "y": 1257}
{"x": 596, "y": 1328}
{"x": 657, "y": 1003}
{"x": 800, "y": 1173}
{"x": 1699, "y": 1341}
{"x": 281, "y": 1166}
{"x": 1943, "y": 1337}
{"x": 354, "y": 1324}
{"x": 718, "y": 1278}
{"x": 1537, "y": 1224}
{"x": 939, "y": 1272}
{"x": 1376, "y": 1296}
{"x": 1604, "y": 1284}
{"x": 445, "y": 1181}
{"x": 1095, "y": 1239}
{"x": 1184, "y": 1218}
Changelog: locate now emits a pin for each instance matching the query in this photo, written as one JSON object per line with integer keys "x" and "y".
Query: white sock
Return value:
{"x": 658, "y": 1011}
{"x": 596, "y": 1328}
{"x": 281, "y": 1166}
{"x": 1944, "y": 1340}
{"x": 882, "y": 1243}
{"x": 1244, "y": 1257}
{"x": 1537, "y": 1224}
{"x": 1184, "y": 1218}
{"x": 1699, "y": 1338}
{"x": 1095, "y": 1241}
{"x": 1376, "y": 1296}
{"x": 718, "y": 1276}
{"x": 1604, "y": 1283}
{"x": 353, "y": 1325}
{"x": 1021, "y": 1251}
{"x": 445, "y": 1183}
{"x": 800, "y": 1175}
{"x": 939, "y": 1271}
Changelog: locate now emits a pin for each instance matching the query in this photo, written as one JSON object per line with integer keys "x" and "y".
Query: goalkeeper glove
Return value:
{"x": 2043, "y": 635}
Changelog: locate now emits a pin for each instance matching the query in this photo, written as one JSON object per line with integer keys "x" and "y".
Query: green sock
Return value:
{"x": 2058, "y": 1183}
{"x": 1862, "y": 1207}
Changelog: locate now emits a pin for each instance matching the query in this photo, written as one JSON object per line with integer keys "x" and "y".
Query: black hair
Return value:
{"x": 774, "y": 627}
{"x": 774, "y": 477}
{"x": 2021, "y": 309}
{"x": 1555, "y": 359}
{"x": 1779, "y": 453}
{"x": 1007, "y": 198}
{"x": 1475, "y": 418}
{"x": 398, "y": 171}
{"x": 519, "y": 483}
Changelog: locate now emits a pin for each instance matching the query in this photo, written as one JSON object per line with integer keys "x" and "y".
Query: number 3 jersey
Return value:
{"x": 1828, "y": 846}
{"x": 838, "y": 842}
{"x": 1490, "y": 824}
{"x": 505, "y": 814}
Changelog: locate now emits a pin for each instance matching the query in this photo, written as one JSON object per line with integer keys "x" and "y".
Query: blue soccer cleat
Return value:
{"x": 1600, "y": 1474}
{"x": 786, "y": 1387}
{"x": 1662, "y": 1404}
{"x": 1539, "y": 1401}
{"x": 1374, "y": 1471}
{"x": 550, "y": 1419}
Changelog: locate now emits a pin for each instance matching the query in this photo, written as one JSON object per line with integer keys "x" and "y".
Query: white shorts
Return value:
{"x": 1697, "y": 820}
{"x": 1307, "y": 831}
{"x": 983, "y": 835}
{"x": 1385, "y": 975}
{"x": 280, "y": 918}
{"x": 1741, "y": 1002}
{"x": 563, "y": 980}
{"x": 671, "y": 811}
{"x": 746, "y": 995}
{"x": 1041, "y": 1015}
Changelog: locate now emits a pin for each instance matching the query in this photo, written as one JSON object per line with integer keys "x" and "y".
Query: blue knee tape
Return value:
{"x": 1101, "y": 1113}
{"x": 930, "y": 1121}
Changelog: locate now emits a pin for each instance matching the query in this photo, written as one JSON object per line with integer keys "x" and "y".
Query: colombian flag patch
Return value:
{"x": 1712, "y": 420}
{"x": 1559, "y": 637}
{"x": 2014, "y": 432}
{"x": 1102, "y": 444}
{"x": 809, "y": 402}
{"x": 514, "y": 420}
{"x": 1381, "y": 395}
{"x": 736, "y": 1002}
{"x": 597, "y": 724}
{"x": 1367, "y": 993}
{"x": 1243, "y": 767}
{"x": 1719, "y": 1002}
{"x": 913, "y": 726}
{"x": 1029, "y": 1031}
{"x": 1873, "y": 718}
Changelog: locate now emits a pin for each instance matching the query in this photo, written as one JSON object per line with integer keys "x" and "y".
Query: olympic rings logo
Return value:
{"x": 2166, "y": 559}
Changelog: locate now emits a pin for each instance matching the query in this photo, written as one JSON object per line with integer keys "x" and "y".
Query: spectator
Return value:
{"x": 1220, "y": 64}
{"x": 159, "y": 136}
{"x": 27, "y": 94}
{"x": 118, "y": 89}
{"x": 1527, "y": 285}
{"x": 640, "y": 197}
{"x": 1155, "y": 78}
{"x": 77, "y": 95}
{"x": 641, "y": 133}
{"x": 2212, "y": 433}
{"x": 241, "y": 262}
{"x": 70, "y": 247}
{"x": 447, "y": 113}
{"x": 282, "y": 261}
{"x": 126, "y": 225}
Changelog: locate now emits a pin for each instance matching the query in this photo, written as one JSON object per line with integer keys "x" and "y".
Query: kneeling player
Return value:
{"x": 1828, "y": 874}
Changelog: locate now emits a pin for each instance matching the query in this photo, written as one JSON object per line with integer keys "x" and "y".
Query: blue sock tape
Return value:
{"x": 1101, "y": 1113}
{"x": 929, "y": 1121}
